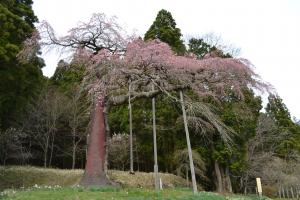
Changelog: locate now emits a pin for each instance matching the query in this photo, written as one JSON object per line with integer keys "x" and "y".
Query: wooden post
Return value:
{"x": 156, "y": 178}
{"x": 188, "y": 144}
{"x": 130, "y": 131}
{"x": 259, "y": 188}
{"x": 160, "y": 184}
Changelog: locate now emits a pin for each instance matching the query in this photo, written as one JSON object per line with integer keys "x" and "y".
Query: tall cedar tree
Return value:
{"x": 164, "y": 28}
{"x": 19, "y": 82}
{"x": 278, "y": 111}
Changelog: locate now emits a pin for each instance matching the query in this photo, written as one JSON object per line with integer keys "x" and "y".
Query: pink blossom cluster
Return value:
{"x": 150, "y": 62}
{"x": 114, "y": 60}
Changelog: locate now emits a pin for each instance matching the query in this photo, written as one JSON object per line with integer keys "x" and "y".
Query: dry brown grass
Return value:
{"x": 146, "y": 180}
{"x": 28, "y": 176}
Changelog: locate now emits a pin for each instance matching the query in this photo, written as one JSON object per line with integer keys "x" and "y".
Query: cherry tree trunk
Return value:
{"x": 94, "y": 174}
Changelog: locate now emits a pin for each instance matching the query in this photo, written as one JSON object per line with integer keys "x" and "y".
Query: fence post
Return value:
{"x": 259, "y": 188}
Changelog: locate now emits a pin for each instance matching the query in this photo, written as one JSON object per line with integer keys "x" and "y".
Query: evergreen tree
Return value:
{"x": 278, "y": 111}
{"x": 164, "y": 28}
{"x": 19, "y": 82}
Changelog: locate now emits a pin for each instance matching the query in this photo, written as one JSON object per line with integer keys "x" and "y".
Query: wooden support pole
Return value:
{"x": 156, "y": 178}
{"x": 130, "y": 131}
{"x": 188, "y": 144}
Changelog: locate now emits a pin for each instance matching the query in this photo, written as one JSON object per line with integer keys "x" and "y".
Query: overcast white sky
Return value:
{"x": 267, "y": 31}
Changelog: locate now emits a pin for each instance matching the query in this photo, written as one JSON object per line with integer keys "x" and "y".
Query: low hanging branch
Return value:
{"x": 121, "y": 99}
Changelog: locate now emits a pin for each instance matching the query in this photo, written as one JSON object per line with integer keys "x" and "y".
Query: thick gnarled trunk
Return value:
{"x": 94, "y": 174}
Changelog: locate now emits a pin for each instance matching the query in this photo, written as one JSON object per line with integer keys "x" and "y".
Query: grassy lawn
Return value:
{"x": 112, "y": 193}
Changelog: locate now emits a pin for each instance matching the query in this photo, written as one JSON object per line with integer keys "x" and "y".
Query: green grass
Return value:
{"x": 113, "y": 193}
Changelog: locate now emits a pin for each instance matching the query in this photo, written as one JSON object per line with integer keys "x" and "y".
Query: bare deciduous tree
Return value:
{"x": 263, "y": 161}
{"x": 77, "y": 114}
{"x": 43, "y": 120}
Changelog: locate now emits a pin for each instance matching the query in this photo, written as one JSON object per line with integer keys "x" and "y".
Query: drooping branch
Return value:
{"x": 121, "y": 99}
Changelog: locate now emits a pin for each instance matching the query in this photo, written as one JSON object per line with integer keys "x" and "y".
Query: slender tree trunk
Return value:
{"x": 52, "y": 147}
{"x": 73, "y": 157}
{"x": 74, "y": 152}
{"x": 94, "y": 174}
{"x": 46, "y": 151}
{"x": 283, "y": 193}
{"x": 228, "y": 180}
{"x": 130, "y": 132}
{"x": 246, "y": 184}
{"x": 219, "y": 177}
{"x": 156, "y": 178}
{"x": 188, "y": 145}
{"x": 292, "y": 193}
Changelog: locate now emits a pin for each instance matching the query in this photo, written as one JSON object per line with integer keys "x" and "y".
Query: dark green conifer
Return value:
{"x": 164, "y": 28}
